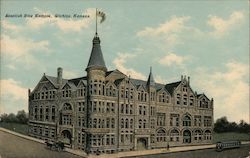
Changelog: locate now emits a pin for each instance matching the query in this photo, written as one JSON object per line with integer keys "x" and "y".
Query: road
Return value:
{"x": 12, "y": 146}
{"x": 241, "y": 152}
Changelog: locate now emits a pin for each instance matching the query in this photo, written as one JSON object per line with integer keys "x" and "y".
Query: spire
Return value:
{"x": 96, "y": 58}
{"x": 151, "y": 81}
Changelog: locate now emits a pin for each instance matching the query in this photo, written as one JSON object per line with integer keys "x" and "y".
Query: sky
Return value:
{"x": 206, "y": 40}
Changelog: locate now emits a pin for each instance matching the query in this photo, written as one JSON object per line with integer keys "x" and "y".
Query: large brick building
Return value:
{"x": 109, "y": 111}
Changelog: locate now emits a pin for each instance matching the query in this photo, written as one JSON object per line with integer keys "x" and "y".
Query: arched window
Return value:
{"x": 122, "y": 123}
{"x": 178, "y": 99}
{"x": 131, "y": 123}
{"x": 174, "y": 135}
{"x": 67, "y": 106}
{"x": 122, "y": 108}
{"x": 186, "y": 121}
{"x": 94, "y": 123}
{"x": 191, "y": 103}
{"x": 161, "y": 135}
{"x": 207, "y": 135}
{"x": 126, "y": 123}
{"x": 108, "y": 123}
{"x": 197, "y": 135}
{"x": 144, "y": 123}
{"x": 140, "y": 124}
{"x": 185, "y": 99}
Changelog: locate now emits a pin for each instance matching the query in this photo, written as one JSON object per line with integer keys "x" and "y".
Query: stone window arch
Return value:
{"x": 131, "y": 123}
{"x": 67, "y": 106}
{"x": 161, "y": 135}
{"x": 126, "y": 123}
{"x": 207, "y": 135}
{"x": 186, "y": 120}
{"x": 174, "y": 135}
{"x": 122, "y": 123}
{"x": 178, "y": 99}
{"x": 144, "y": 123}
{"x": 197, "y": 135}
{"x": 140, "y": 123}
{"x": 94, "y": 123}
{"x": 191, "y": 103}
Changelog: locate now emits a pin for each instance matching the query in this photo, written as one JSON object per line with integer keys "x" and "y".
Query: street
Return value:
{"x": 241, "y": 152}
{"x": 12, "y": 146}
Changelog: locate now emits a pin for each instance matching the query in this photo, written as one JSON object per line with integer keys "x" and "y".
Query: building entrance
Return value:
{"x": 66, "y": 137}
{"x": 186, "y": 136}
{"x": 141, "y": 144}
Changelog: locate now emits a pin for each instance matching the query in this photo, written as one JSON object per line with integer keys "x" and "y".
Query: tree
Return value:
{"x": 221, "y": 125}
{"x": 11, "y": 118}
{"x": 22, "y": 117}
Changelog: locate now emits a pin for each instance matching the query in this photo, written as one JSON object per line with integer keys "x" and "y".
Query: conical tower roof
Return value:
{"x": 96, "y": 58}
{"x": 151, "y": 81}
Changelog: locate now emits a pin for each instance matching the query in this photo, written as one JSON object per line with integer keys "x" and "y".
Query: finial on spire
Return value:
{"x": 150, "y": 81}
{"x": 96, "y": 21}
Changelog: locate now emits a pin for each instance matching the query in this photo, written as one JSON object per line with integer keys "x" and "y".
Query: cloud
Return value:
{"x": 159, "y": 79}
{"x": 230, "y": 90}
{"x": 20, "y": 46}
{"x": 222, "y": 26}
{"x": 174, "y": 25}
{"x": 10, "y": 66}
{"x": 171, "y": 59}
{"x": 8, "y": 26}
{"x": 18, "y": 94}
{"x": 70, "y": 74}
{"x": 64, "y": 24}
{"x": 120, "y": 62}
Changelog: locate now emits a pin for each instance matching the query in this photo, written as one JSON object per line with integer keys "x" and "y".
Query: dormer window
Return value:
{"x": 178, "y": 99}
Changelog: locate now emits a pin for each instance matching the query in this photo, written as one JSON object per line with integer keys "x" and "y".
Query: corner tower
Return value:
{"x": 96, "y": 68}
{"x": 96, "y": 71}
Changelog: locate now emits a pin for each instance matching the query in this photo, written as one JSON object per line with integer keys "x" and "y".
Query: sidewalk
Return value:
{"x": 123, "y": 154}
{"x": 75, "y": 152}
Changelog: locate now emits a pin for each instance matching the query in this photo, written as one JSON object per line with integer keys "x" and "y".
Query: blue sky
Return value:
{"x": 206, "y": 40}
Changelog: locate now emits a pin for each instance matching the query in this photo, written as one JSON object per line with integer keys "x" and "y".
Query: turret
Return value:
{"x": 150, "y": 82}
{"x": 96, "y": 61}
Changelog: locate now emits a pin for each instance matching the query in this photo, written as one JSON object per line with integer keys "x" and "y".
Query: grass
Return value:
{"x": 230, "y": 136}
{"x": 17, "y": 127}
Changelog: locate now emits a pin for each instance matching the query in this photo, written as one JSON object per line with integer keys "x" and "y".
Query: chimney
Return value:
{"x": 181, "y": 77}
{"x": 59, "y": 76}
{"x": 188, "y": 80}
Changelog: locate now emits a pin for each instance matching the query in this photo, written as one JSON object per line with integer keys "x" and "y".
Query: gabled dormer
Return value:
{"x": 110, "y": 89}
{"x": 163, "y": 96}
{"x": 204, "y": 101}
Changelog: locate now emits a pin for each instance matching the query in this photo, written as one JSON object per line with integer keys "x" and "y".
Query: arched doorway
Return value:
{"x": 186, "y": 136}
{"x": 66, "y": 137}
{"x": 141, "y": 144}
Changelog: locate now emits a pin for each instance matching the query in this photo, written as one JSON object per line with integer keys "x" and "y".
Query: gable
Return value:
{"x": 44, "y": 83}
{"x": 163, "y": 90}
{"x": 110, "y": 83}
{"x": 81, "y": 84}
{"x": 114, "y": 75}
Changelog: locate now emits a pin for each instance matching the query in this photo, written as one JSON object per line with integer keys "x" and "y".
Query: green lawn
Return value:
{"x": 17, "y": 127}
{"x": 231, "y": 136}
